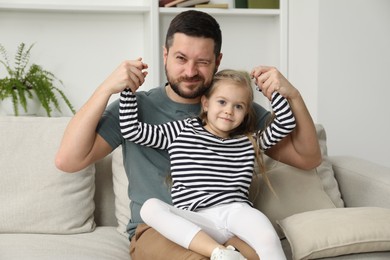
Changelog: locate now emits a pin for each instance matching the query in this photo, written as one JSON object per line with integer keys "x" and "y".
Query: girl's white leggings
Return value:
{"x": 220, "y": 222}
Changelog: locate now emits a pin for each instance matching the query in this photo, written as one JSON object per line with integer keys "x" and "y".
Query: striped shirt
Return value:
{"x": 206, "y": 170}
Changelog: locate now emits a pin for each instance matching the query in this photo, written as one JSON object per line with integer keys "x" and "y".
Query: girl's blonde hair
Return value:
{"x": 248, "y": 126}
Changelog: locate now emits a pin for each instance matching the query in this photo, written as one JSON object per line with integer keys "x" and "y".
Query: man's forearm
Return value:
{"x": 301, "y": 148}
{"x": 304, "y": 138}
{"x": 77, "y": 149}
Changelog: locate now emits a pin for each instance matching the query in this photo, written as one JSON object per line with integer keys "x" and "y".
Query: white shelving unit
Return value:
{"x": 76, "y": 8}
{"x": 251, "y": 37}
{"x": 226, "y": 12}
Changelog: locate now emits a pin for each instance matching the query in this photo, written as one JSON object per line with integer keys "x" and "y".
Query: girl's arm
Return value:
{"x": 282, "y": 124}
{"x": 156, "y": 136}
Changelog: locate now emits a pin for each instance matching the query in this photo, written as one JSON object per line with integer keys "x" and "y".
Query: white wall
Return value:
{"x": 80, "y": 48}
{"x": 354, "y": 87}
{"x": 340, "y": 59}
{"x": 303, "y": 51}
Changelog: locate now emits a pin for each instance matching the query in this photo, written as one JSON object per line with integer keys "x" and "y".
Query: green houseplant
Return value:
{"x": 23, "y": 80}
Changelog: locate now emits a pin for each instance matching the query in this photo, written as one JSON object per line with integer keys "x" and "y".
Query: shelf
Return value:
{"x": 154, "y": 21}
{"x": 75, "y": 8}
{"x": 227, "y": 12}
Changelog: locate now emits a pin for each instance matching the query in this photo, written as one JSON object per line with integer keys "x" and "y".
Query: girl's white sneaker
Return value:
{"x": 228, "y": 253}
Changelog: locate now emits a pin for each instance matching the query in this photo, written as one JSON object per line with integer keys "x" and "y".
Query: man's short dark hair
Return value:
{"x": 197, "y": 24}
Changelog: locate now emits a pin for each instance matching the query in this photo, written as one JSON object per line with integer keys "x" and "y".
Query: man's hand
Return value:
{"x": 130, "y": 74}
{"x": 269, "y": 80}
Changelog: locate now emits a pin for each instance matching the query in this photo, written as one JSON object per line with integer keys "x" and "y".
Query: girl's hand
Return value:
{"x": 269, "y": 80}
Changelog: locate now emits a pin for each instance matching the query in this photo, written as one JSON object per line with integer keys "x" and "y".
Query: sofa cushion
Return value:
{"x": 101, "y": 244}
{"x": 298, "y": 190}
{"x": 121, "y": 183}
{"x": 340, "y": 231}
{"x": 35, "y": 196}
{"x": 104, "y": 196}
{"x": 325, "y": 170}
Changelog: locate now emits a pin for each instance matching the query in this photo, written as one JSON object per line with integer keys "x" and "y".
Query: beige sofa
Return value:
{"x": 47, "y": 214}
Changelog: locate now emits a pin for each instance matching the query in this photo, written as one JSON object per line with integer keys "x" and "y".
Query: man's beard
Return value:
{"x": 197, "y": 92}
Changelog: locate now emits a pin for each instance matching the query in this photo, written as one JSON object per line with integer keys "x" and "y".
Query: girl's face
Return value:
{"x": 226, "y": 108}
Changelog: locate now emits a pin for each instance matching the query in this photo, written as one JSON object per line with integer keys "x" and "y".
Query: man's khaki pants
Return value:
{"x": 148, "y": 244}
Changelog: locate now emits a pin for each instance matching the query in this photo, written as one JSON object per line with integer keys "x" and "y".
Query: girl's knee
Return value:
{"x": 271, "y": 236}
{"x": 149, "y": 208}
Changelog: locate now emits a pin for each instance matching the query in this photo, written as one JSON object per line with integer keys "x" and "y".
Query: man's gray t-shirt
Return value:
{"x": 147, "y": 168}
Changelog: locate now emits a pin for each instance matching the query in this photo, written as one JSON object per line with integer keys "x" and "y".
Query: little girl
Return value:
{"x": 212, "y": 163}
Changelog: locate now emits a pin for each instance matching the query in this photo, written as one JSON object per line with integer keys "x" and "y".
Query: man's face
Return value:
{"x": 190, "y": 65}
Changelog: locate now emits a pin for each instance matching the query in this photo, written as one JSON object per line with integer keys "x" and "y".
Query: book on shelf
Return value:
{"x": 189, "y": 3}
{"x": 264, "y": 4}
{"x": 224, "y": 6}
{"x": 162, "y": 3}
{"x": 173, "y": 3}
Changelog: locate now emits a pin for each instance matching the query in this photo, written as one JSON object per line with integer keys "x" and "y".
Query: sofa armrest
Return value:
{"x": 362, "y": 183}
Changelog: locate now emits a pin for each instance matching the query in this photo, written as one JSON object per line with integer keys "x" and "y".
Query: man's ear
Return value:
{"x": 165, "y": 55}
{"x": 218, "y": 61}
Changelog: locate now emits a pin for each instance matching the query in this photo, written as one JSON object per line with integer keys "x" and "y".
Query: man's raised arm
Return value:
{"x": 81, "y": 145}
{"x": 300, "y": 148}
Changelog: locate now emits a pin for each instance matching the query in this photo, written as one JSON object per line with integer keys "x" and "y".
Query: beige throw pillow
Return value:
{"x": 340, "y": 231}
{"x": 35, "y": 196}
{"x": 121, "y": 183}
{"x": 298, "y": 190}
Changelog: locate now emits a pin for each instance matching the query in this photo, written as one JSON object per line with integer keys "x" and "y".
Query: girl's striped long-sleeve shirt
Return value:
{"x": 206, "y": 170}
